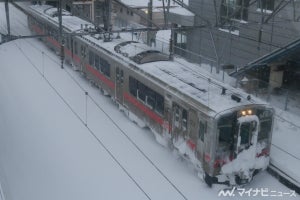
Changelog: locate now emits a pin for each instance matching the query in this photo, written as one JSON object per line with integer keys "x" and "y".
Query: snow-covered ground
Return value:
{"x": 46, "y": 151}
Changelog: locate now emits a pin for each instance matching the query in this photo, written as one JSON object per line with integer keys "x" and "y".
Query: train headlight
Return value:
{"x": 246, "y": 112}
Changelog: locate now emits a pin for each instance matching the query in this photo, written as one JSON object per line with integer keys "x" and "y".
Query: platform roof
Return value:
{"x": 288, "y": 53}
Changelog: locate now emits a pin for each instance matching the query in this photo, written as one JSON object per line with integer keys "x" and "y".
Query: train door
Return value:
{"x": 72, "y": 47}
{"x": 83, "y": 54}
{"x": 119, "y": 85}
{"x": 168, "y": 115}
{"x": 75, "y": 54}
{"x": 247, "y": 134}
{"x": 202, "y": 130}
{"x": 179, "y": 122}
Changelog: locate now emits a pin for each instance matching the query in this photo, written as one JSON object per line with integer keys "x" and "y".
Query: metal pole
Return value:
{"x": 223, "y": 75}
{"x": 7, "y": 18}
{"x": 43, "y": 63}
{"x": 165, "y": 16}
{"x": 150, "y": 6}
{"x": 286, "y": 100}
{"x": 62, "y": 51}
{"x": 216, "y": 52}
{"x": 171, "y": 46}
{"x": 86, "y": 107}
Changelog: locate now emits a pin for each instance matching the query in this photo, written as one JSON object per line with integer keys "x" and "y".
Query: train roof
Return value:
{"x": 71, "y": 23}
{"x": 178, "y": 75}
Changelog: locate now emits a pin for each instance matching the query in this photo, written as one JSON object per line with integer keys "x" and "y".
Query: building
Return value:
{"x": 238, "y": 32}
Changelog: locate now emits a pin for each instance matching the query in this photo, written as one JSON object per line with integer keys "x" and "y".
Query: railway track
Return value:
{"x": 284, "y": 178}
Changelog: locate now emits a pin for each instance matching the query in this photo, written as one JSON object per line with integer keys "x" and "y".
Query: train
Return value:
{"x": 223, "y": 131}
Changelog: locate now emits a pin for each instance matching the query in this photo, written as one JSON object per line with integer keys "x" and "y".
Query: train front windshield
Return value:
{"x": 240, "y": 131}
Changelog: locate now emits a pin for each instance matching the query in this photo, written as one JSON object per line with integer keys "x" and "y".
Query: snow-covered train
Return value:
{"x": 224, "y": 132}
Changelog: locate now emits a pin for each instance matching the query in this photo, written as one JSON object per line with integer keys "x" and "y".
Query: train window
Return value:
{"x": 184, "y": 119}
{"x": 105, "y": 67}
{"x": 159, "y": 105}
{"x": 265, "y": 128}
{"x": 202, "y": 130}
{"x": 150, "y": 102}
{"x": 82, "y": 50}
{"x": 122, "y": 76}
{"x": 97, "y": 62}
{"x": 118, "y": 74}
{"x": 141, "y": 91}
{"x": 226, "y": 130}
{"x": 68, "y": 43}
{"x": 176, "y": 116}
{"x": 75, "y": 48}
{"x": 132, "y": 86}
{"x": 91, "y": 58}
{"x": 245, "y": 132}
{"x": 102, "y": 62}
{"x": 150, "y": 99}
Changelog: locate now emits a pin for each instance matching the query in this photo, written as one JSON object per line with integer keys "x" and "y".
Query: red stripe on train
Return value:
{"x": 191, "y": 144}
{"x": 76, "y": 58}
{"x": 54, "y": 42}
{"x": 105, "y": 80}
{"x": 68, "y": 52}
{"x": 37, "y": 29}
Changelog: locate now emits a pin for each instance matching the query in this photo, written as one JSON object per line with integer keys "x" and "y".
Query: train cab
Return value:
{"x": 243, "y": 141}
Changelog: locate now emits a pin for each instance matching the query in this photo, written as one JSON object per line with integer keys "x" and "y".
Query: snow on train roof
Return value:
{"x": 70, "y": 22}
{"x": 179, "y": 74}
{"x": 187, "y": 78}
{"x": 135, "y": 48}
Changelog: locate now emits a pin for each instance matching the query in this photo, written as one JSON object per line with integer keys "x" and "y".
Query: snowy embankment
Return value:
{"x": 46, "y": 151}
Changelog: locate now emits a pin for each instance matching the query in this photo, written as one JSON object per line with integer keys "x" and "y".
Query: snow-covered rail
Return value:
{"x": 1, "y": 193}
{"x": 282, "y": 170}
{"x": 284, "y": 178}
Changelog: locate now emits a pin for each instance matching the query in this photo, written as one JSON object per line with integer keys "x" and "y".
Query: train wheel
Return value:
{"x": 208, "y": 180}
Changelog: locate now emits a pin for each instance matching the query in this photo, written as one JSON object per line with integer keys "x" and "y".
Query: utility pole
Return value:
{"x": 106, "y": 14}
{"x": 62, "y": 50}
{"x": 165, "y": 16}
{"x": 107, "y": 19}
{"x": 171, "y": 42}
{"x": 7, "y": 18}
{"x": 149, "y": 33}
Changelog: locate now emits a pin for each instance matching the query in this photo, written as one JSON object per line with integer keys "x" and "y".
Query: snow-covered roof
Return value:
{"x": 179, "y": 75}
{"x": 53, "y": 12}
{"x": 144, "y": 3}
{"x": 70, "y": 22}
{"x": 181, "y": 11}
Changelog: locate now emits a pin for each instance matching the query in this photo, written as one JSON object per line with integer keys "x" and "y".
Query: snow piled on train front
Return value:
{"x": 247, "y": 161}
